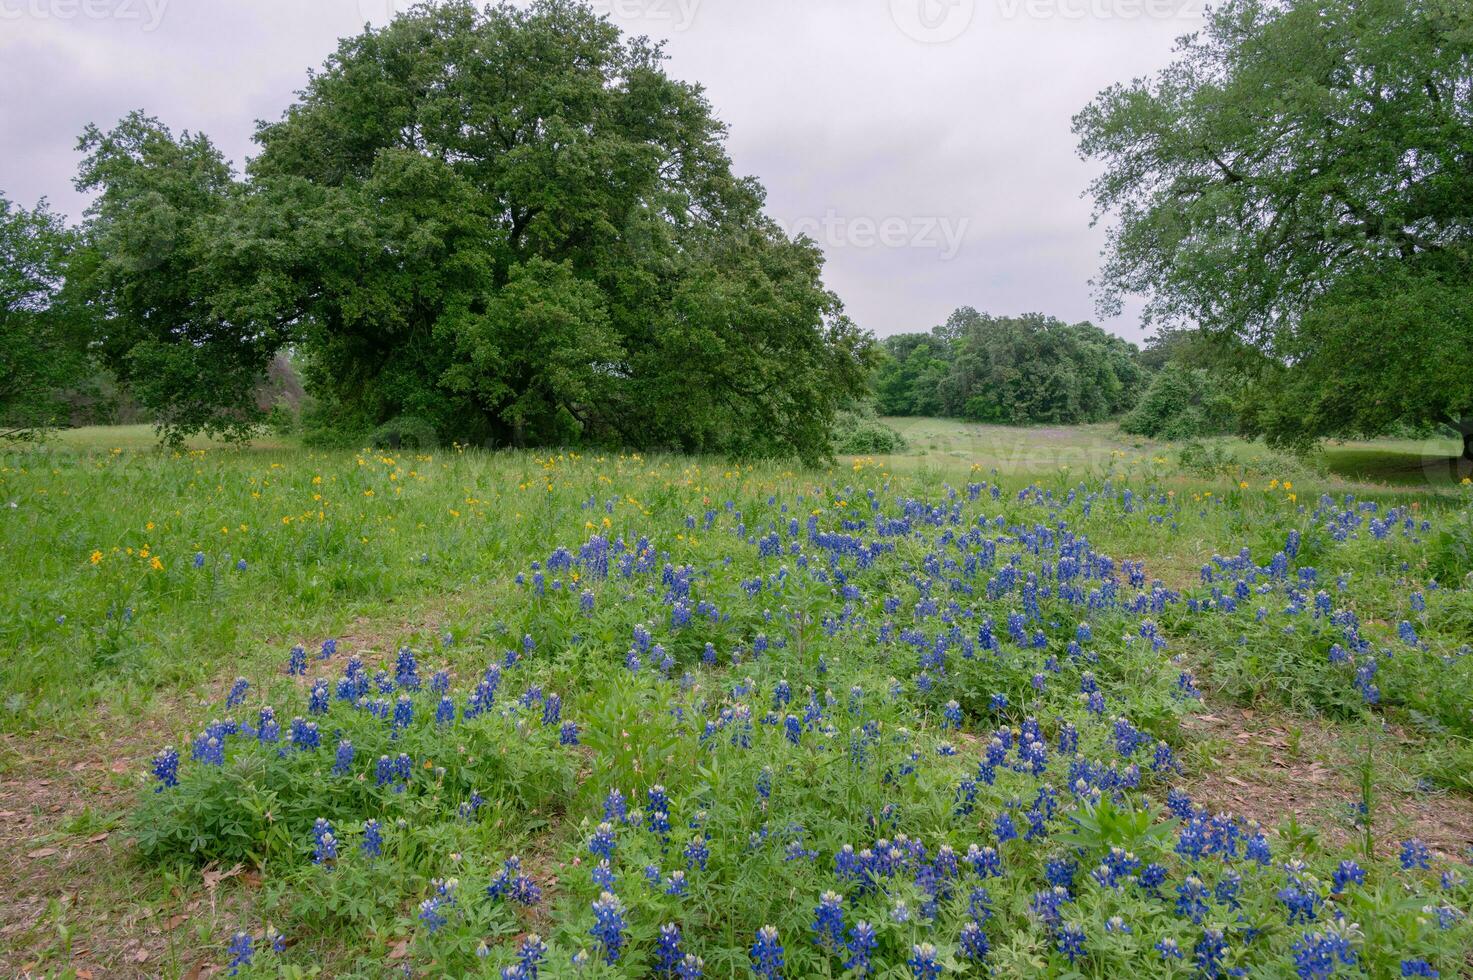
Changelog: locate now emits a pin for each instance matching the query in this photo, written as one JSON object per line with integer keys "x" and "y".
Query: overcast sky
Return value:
{"x": 924, "y": 144}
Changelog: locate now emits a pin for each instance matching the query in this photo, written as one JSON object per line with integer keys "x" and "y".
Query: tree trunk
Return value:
{"x": 1468, "y": 445}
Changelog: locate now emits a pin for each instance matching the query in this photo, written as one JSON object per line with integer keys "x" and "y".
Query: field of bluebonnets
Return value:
{"x": 279, "y": 712}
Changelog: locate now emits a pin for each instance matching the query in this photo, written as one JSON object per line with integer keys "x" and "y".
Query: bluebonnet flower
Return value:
{"x": 1004, "y": 828}
{"x": 530, "y": 952}
{"x": 1318, "y": 955}
{"x": 166, "y": 768}
{"x": 237, "y": 693}
{"x": 325, "y": 845}
{"x": 828, "y": 921}
{"x": 1347, "y": 874}
{"x": 1415, "y": 855}
{"x": 406, "y": 670}
{"x": 697, "y": 853}
{"x": 861, "y": 945}
{"x": 431, "y": 915}
{"x": 1071, "y": 942}
{"x": 1418, "y": 968}
{"x": 329, "y": 647}
{"x": 675, "y": 884}
{"x": 602, "y": 843}
{"x": 1168, "y": 949}
{"x": 317, "y": 699}
{"x": 209, "y": 750}
{"x": 923, "y": 964}
{"x": 242, "y": 951}
{"x": 296, "y": 664}
{"x": 767, "y": 954}
{"x": 952, "y": 715}
{"x": 513, "y": 883}
{"x": 199, "y": 559}
{"x": 445, "y": 711}
{"x": 1209, "y": 952}
{"x": 304, "y": 734}
{"x": 1046, "y": 904}
{"x": 1300, "y": 901}
{"x": 373, "y": 839}
{"x": 615, "y": 809}
{"x": 668, "y": 954}
{"x": 603, "y": 874}
{"x": 1191, "y": 899}
{"x": 974, "y": 944}
{"x": 267, "y": 728}
{"x": 985, "y": 861}
{"x": 403, "y": 712}
{"x": 567, "y": 734}
{"x": 608, "y": 926}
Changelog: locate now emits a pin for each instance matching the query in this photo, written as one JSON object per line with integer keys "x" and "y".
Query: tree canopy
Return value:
{"x": 1011, "y": 370}
{"x": 510, "y": 223}
{"x": 43, "y": 342}
{"x": 1299, "y": 182}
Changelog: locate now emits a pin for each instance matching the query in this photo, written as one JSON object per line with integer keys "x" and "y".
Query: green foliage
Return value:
{"x": 404, "y": 432}
{"x": 1011, "y": 370}
{"x": 150, "y": 272}
{"x": 1451, "y": 559}
{"x": 1181, "y": 403}
{"x": 43, "y": 340}
{"x": 509, "y": 223}
{"x": 1286, "y": 185}
{"x": 1386, "y": 347}
{"x": 255, "y": 806}
{"x": 858, "y": 433}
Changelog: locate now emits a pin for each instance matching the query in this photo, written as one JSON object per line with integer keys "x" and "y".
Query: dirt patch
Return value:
{"x": 1269, "y": 766}
{"x": 73, "y": 897}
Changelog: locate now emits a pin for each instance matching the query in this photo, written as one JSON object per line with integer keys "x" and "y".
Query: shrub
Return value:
{"x": 1181, "y": 403}
{"x": 405, "y": 432}
{"x": 858, "y": 432}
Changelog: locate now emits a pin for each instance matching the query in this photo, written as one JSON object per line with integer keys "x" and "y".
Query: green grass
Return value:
{"x": 117, "y": 643}
{"x": 1430, "y": 466}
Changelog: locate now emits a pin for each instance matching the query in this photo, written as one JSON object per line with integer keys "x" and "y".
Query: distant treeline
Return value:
{"x": 1010, "y": 370}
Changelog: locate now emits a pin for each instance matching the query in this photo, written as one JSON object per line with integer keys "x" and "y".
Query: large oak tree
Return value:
{"x": 1299, "y": 182}
{"x": 510, "y": 223}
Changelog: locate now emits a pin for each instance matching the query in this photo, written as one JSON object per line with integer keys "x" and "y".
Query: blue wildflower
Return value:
{"x": 767, "y": 954}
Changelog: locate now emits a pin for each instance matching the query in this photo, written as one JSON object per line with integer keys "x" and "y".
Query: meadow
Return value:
{"x": 1016, "y": 702}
